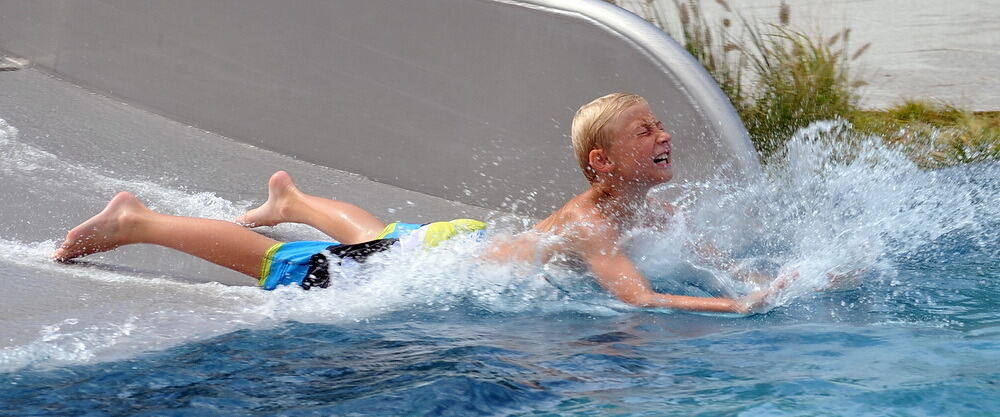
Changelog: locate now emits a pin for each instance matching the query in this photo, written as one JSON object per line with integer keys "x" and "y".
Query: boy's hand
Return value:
{"x": 783, "y": 280}
{"x": 758, "y": 301}
{"x": 754, "y": 302}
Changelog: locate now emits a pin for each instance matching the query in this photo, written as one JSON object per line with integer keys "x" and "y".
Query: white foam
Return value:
{"x": 114, "y": 313}
{"x": 439, "y": 279}
{"x": 54, "y": 346}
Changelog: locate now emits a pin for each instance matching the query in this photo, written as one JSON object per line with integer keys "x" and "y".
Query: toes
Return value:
{"x": 61, "y": 254}
{"x": 245, "y": 221}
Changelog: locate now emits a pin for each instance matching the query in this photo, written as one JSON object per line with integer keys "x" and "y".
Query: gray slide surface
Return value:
{"x": 467, "y": 100}
{"x": 415, "y": 110}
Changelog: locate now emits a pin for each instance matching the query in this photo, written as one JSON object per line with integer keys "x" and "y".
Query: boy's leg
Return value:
{"x": 344, "y": 222}
{"x": 126, "y": 221}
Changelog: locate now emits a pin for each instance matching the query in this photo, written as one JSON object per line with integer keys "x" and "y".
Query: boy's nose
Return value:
{"x": 664, "y": 136}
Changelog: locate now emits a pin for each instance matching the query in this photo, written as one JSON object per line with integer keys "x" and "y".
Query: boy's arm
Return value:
{"x": 616, "y": 273}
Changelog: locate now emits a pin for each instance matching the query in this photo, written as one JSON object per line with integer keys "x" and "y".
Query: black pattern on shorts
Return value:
{"x": 319, "y": 264}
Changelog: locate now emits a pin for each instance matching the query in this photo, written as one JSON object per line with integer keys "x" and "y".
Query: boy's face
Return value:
{"x": 640, "y": 149}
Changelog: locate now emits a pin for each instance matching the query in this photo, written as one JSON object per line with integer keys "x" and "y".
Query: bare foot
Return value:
{"x": 281, "y": 193}
{"x": 100, "y": 233}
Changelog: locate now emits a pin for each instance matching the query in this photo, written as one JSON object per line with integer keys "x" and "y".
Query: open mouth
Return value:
{"x": 662, "y": 159}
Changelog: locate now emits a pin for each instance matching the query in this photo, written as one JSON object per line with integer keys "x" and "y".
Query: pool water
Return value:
{"x": 913, "y": 330}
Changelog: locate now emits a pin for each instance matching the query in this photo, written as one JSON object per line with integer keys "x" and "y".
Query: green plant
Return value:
{"x": 935, "y": 135}
{"x": 799, "y": 80}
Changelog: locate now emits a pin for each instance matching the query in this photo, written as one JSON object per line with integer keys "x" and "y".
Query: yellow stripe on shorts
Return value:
{"x": 438, "y": 232}
{"x": 265, "y": 262}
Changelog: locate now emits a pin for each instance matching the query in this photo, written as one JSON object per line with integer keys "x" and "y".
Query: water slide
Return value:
{"x": 415, "y": 110}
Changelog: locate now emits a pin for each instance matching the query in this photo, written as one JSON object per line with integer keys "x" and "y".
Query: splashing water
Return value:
{"x": 840, "y": 208}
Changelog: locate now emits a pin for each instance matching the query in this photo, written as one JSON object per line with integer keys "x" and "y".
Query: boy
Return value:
{"x": 621, "y": 147}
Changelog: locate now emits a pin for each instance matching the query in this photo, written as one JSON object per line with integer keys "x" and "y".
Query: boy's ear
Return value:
{"x": 599, "y": 161}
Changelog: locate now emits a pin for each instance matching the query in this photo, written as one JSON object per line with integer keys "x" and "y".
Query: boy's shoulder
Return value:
{"x": 579, "y": 218}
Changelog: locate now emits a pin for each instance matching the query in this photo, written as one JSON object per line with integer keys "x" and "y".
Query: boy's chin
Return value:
{"x": 665, "y": 175}
{"x": 655, "y": 180}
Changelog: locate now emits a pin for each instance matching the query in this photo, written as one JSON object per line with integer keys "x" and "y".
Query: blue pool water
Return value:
{"x": 916, "y": 332}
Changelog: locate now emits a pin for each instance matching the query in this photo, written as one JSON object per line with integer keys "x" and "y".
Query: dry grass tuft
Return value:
{"x": 784, "y": 14}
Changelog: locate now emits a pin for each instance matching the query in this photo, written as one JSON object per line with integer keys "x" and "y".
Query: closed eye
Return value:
{"x": 649, "y": 128}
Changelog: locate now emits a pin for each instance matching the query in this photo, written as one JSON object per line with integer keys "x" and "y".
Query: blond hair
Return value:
{"x": 592, "y": 126}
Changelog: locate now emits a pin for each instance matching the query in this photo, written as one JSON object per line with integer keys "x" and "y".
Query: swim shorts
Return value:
{"x": 306, "y": 263}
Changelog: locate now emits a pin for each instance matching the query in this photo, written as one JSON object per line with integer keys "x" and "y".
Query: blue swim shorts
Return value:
{"x": 306, "y": 263}
{"x": 288, "y": 262}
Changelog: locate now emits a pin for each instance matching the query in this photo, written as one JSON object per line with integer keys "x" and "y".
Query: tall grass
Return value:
{"x": 799, "y": 80}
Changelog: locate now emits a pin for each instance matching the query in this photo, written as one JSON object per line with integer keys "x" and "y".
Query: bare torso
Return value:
{"x": 566, "y": 231}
